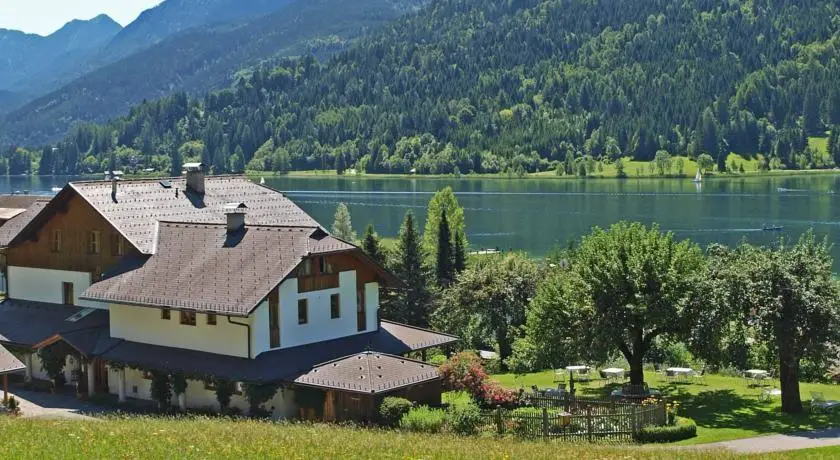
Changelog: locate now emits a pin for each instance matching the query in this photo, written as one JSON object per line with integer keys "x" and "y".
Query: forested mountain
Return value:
{"x": 174, "y": 16}
{"x": 198, "y": 61}
{"x": 28, "y": 58}
{"x": 482, "y": 85}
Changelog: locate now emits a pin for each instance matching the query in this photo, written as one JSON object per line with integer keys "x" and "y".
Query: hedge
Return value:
{"x": 684, "y": 428}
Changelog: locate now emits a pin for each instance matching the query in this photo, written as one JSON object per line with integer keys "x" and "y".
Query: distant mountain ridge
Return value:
{"x": 28, "y": 58}
{"x": 174, "y": 16}
{"x": 197, "y": 61}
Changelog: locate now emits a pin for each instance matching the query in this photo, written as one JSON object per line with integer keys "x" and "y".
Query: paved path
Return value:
{"x": 47, "y": 405}
{"x": 779, "y": 442}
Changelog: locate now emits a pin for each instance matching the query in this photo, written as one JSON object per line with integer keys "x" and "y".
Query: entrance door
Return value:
{"x": 100, "y": 376}
{"x": 67, "y": 293}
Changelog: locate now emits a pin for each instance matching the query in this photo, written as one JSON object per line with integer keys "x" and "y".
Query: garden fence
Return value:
{"x": 575, "y": 419}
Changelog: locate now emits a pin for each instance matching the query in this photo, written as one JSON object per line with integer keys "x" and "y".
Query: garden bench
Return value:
{"x": 818, "y": 402}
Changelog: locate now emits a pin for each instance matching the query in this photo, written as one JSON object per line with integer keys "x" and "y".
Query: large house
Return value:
{"x": 212, "y": 278}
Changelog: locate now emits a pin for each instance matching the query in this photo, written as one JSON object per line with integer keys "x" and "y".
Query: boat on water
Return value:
{"x": 771, "y": 228}
{"x": 698, "y": 177}
{"x": 262, "y": 180}
{"x": 55, "y": 189}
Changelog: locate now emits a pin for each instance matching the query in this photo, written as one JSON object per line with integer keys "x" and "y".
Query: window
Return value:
{"x": 67, "y": 297}
{"x": 305, "y": 268}
{"x": 188, "y": 318}
{"x": 274, "y": 319}
{"x": 211, "y": 319}
{"x": 324, "y": 266}
{"x": 147, "y": 375}
{"x": 303, "y": 311}
{"x": 94, "y": 242}
{"x": 361, "y": 314}
{"x": 335, "y": 306}
{"x": 56, "y": 241}
{"x": 210, "y": 385}
{"x": 117, "y": 244}
{"x": 164, "y": 314}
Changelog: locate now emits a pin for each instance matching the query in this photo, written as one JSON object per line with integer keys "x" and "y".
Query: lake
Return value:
{"x": 534, "y": 215}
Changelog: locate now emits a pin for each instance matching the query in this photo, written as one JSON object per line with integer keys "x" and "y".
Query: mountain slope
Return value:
{"x": 199, "y": 60}
{"x": 174, "y": 16}
{"x": 521, "y": 85}
{"x": 28, "y": 58}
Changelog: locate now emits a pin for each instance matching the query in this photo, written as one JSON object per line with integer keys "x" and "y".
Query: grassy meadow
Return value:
{"x": 724, "y": 407}
{"x": 148, "y": 437}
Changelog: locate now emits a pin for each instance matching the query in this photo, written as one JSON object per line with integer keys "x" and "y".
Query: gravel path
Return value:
{"x": 779, "y": 442}
{"x": 46, "y": 405}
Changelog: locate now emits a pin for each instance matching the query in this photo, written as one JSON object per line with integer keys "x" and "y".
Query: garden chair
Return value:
{"x": 559, "y": 375}
{"x": 819, "y": 403}
{"x": 699, "y": 377}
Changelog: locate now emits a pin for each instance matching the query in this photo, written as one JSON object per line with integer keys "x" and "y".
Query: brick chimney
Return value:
{"x": 235, "y": 213}
{"x": 195, "y": 177}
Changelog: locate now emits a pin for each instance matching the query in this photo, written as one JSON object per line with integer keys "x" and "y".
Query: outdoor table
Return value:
{"x": 613, "y": 373}
{"x": 756, "y": 374}
{"x": 680, "y": 371}
{"x": 577, "y": 368}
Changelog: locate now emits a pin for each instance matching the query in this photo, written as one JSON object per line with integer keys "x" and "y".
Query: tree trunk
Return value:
{"x": 637, "y": 371}
{"x": 789, "y": 378}
{"x": 504, "y": 348}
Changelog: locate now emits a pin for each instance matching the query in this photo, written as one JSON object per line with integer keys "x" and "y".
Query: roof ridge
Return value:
{"x": 137, "y": 180}
{"x": 223, "y": 224}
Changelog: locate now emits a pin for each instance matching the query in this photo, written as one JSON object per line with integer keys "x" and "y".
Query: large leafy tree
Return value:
{"x": 624, "y": 287}
{"x": 784, "y": 299}
{"x": 487, "y": 305}
{"x": 412, "y": 302}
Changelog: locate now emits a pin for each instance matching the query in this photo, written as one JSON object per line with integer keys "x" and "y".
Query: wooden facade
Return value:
{"x": 75, "y": 237}
{"x": 343, "y": 406}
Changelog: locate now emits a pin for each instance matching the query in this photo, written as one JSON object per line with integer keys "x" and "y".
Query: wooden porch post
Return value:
{"x": 5, "y": 388}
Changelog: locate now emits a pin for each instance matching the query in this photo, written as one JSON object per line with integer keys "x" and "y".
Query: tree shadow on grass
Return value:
{"x": 724, "y": 408}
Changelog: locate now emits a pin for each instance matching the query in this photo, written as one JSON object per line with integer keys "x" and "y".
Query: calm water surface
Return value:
{"x": 534, "y": 215}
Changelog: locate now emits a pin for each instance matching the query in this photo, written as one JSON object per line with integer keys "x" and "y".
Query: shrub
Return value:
{"x": 437, "y": 360}
{"x": 423, "y": 420}
{"x": 13, "y": 405}
{"x": 392, "y": 410}
{"x": 494, "y": 395}
{"x": 161, "y": 389}
{"x": 464, "y": 372}
{"x": 464, "y": 418}
{"x": 684, "y": 428}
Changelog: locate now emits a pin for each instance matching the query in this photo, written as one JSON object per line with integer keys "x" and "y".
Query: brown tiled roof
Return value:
{"x": 9, "y": 363}
{"x": 417, "y": 338}
{"x": 140, "y": 204}
{"x": 28, "y": 323}
{"x": 19, "y": 201}
{"x": 285, "y": 364}
{"x": 11, "y": 228}
{"x": 201, "y": 267}
{"x": 369, "y": 372}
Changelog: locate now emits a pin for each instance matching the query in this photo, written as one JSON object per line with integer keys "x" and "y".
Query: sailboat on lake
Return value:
{"x": 698, "y": 178}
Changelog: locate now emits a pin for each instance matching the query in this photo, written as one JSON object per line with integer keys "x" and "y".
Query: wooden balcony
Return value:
{"x": 317, "y": 282}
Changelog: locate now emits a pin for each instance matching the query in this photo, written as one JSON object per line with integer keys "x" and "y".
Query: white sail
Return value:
{"x": 698, "y": 177}
{"x": 262, "y": 180}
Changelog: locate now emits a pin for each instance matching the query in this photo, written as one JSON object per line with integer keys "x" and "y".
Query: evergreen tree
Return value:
{"x": 342, "y": 226}
{"x": 443, "y": 200}
{"x": 445, "y": 270}
{"x": 177, "y": 163}
{"x": 834, "y": 144}
{"x": 811, "y": 112}
{"x": 411, "y": 304}
{"x": 371, "y": 244}
{"x": 708, "y": 136}
{"x": 459, "y": 262}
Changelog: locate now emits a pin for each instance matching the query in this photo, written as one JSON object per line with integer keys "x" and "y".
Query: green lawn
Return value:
{"x": 724, "y": 408}
{"x": 152, "y": 438}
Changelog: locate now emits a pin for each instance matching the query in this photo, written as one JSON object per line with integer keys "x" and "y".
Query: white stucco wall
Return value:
{"x": 320, "y": 326}
{"x": 372, "y": 305}
{"x": 144, "y": 325}
{"x": 42, "y": 285}
{"x": 260, "y": 336}
{"x": 197, "y": 397}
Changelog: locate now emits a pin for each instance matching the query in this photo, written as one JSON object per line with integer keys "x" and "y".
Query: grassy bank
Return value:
{"x": 147, "y": 437}
{"x": 724, "y": 407}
